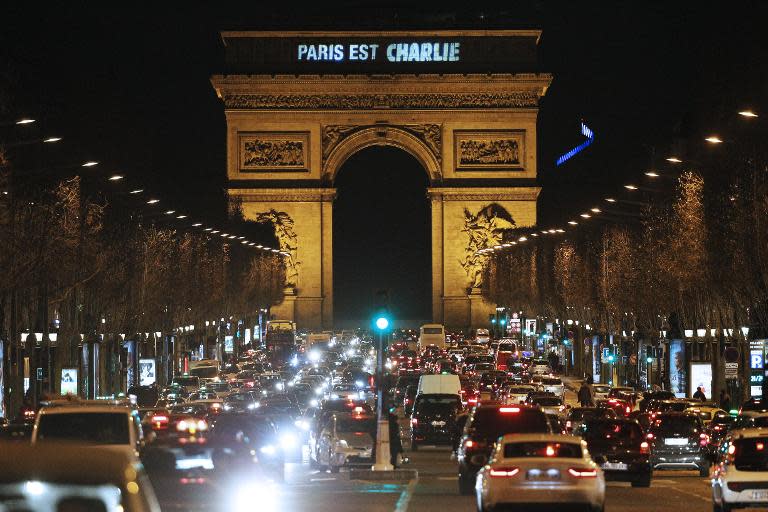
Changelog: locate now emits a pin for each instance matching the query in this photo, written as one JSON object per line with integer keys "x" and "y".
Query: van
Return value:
{"x": 431, "y": 334}
{"x": 439, "y": 385}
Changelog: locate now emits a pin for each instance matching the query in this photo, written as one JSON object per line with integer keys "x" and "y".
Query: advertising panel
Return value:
{"x": 677, "y": 370}
{"x": 701, "y": 377}
{"x": 229, "y": 344}
{"x": 596, "y": 362}
{"x": 147, "y": 372}
{"x": 69, "y": 381}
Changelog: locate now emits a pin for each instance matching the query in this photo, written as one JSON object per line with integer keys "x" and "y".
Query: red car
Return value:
{"x": 622, "y": 408}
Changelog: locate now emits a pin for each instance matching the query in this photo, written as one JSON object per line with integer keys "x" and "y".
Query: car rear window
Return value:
{"x": 685, "y": 425}
{"x": 367, "y": 425}
{"x": 755, "y": 405}
{"x": 90, "y": 427}
{"x": 543, "y": 449}
{"x": 547, "y": 401}
{"x": 493, "y": 422}
{"x": 551, "y": 382}
{"x": 751, "y": 454}
{"x": 613, "y": 431}
{"x": 585, "y": 414}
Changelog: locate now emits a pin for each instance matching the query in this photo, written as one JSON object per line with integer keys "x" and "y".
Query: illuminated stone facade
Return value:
{"x": 474, "y": 135}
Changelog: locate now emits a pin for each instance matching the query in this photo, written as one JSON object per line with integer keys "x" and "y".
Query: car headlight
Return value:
{"x": 268, "y": 449}
{"x": 288, "y": 441}
{"x": 255, "y": 494}
{"x": 314, "y": 403}
{"x": 303, "y": 425}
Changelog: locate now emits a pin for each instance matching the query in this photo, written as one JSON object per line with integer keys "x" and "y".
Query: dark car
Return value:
{"x": 242, "y": 401}
{"x": 408, "y": 398}
{"x": 402, "y": 384}
{"x": 649, "y": 396}
{"x": 434, "y": 422}
{"x": 621, "y": 449}
{"x": 484, "y": 426}
{"x": 679, "y": 442}
{"x": 234, "y": 438}
{"x": 579, "y": 415}
{"x": 289, "y": 435}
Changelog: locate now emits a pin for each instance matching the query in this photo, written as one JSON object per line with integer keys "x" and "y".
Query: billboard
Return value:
{"x": 701, "y": 377}
{"x": 147, "y": 372}
{"x": 596, "y": 361}
{"x": 677, "y": 369}
{"x": 229, "y": 344}
{"x": 69, "y": 381}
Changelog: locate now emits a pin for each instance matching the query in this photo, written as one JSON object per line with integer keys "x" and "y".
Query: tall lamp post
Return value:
{"x": 382, "y": 432}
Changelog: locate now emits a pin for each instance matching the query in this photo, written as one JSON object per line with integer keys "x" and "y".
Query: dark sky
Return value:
{"x": 130, "y": 88}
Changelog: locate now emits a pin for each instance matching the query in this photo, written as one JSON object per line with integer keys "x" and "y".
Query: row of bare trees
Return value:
{"x": 75, "y": 264}
{"x": 692, "y": 256}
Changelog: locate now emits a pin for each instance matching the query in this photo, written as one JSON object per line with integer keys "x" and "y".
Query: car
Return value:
{"x": 433, "y": 421}
{"x": 409, "y": 398}
{"x": 517, "y": 394}
{"x": 241, "y": 401}
{"x": 741, "y": 479}
{"x": 548, "y": 403}
{"x": 189, "y": 383}
{"x": 540, "y": 367}
{"x": 62, "y": 476}
{"x": 540, "y": 469}
{"x": 346, "y": 440}
{"x": 600, "y": 391}
{"x": 553, "y": 385}
{"x": 621, "y": 449}
{"x": 485, "y": 424}
{"x": 234, "y": 437}
{"x": 678, "y": 441}
{"x": 577, "y": 416}
{"x": 650, "y": 396}
{"x": 619, "y": 406}
{"x": 707, "y": 414}
{"x": 117, "y": 427}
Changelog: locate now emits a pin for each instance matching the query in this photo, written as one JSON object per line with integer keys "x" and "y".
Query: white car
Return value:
{"x": 741, "y": 480}
{"x": 540, "y": 367}
{"x": 553, "y": 385}
{"x": 346, "y": 440}
{"x": 545, "y": 469}
{"x": 601, "y": 391}
{"x": 518, "y": 394}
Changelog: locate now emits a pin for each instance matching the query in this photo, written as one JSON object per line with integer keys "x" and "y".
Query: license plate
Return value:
{"x": 760, "y": 495}
{"x": 543, "y": 474}
{"x": 673, "y": 441}
{"x": 615, "y": 466}
{"x": 438, "y": 423}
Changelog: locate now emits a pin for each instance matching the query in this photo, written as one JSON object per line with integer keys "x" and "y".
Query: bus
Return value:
{"x": 506, "y": 351}
{"x": 280, "y": 340}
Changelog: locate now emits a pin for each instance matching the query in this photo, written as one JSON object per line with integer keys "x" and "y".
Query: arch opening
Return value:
{"x": 377, "y": 247}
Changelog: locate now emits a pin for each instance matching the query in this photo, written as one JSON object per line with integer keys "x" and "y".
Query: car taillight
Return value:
{"x": 508, "y": 410}
{"x": 703, "y": 439}
{"x": 649, "y": 436}
{"x": 568, "y": 424}
{"x": 503, "y": 472}
{"x": 628, "y": 410}
{"x": 582, "y": 472}
{"x": 645, "y": 447}
{"x": 414, "y": 421}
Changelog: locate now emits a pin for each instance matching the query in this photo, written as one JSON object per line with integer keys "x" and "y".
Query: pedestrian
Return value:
{"x": 585, "y": 395}
{"x": 699, "y": 394}
{"x": 395, "y": 444}
{"x": 725, "y": 400}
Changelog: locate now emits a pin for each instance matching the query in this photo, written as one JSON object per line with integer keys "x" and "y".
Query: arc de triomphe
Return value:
{"x": 463, "y": 103}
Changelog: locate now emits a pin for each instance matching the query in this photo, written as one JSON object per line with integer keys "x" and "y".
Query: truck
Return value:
{"x": 280, "y": 340}
{"x": 431, "y": 334}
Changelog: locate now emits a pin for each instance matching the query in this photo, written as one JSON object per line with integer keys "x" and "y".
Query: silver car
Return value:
{"x": 346, "y": 440}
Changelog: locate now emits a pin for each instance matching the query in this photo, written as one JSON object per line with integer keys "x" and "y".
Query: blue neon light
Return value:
{"x": 589, "y": 134}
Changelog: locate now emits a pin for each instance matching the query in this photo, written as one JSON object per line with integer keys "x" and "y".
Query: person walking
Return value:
{"x": 395, "y": 444}
{"x": 585, "y": 395}
{"x": 699, "y": 394}
{"x": 725, "y": 400}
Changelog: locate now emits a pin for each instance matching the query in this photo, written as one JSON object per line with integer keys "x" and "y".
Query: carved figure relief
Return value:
{"x": 430, "y": 134}
{"x": 480, "y": 150}
{"x": 288, "y": 240}
{"x": 270, "y": 151}
{"x": 484, "y": 230}
{"x": 368, "y": 101}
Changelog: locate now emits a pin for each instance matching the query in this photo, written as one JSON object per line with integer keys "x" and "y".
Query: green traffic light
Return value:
{"x": 610, "y": 359}
{"x": 649, "y": 360}
{"x": 382, "y": 323}
{"x": 493, "y": 320}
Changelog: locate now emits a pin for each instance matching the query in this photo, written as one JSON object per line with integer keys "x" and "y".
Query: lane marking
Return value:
{"x": 322, "y": 479}
{"x": 405, "y": 496}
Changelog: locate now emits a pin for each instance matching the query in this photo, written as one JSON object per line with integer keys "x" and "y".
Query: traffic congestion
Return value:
{"x": 490, "y": 423}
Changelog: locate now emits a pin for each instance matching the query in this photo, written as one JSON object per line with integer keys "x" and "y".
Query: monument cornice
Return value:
{"x": 484, "y": 193}
{"x": 283, "y": 194}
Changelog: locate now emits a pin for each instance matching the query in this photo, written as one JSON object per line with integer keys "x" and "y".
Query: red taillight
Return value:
{"x": 503, "y": 472}
{"x": 649, "y": 436}
{"x": 414, "y": 421}
{"x": 703, "y": 439}
{"x": 507, "y": 410}
{"x": 582, "y": 472}
{"x": 469, "y": 443}
{"x": 568, "y": 424}
{"x": 628, "y": 410}
{"x": 645, "y": 447}
{"x": 472, "y": 400}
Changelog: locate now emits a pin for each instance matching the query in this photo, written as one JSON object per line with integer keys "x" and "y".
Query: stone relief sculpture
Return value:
{"x": 288, "y": 240}
{"x": 430, "y": 134}
{"x": 484, "y": 229}
{"x": 273, "y": 153}
{"x": 479, "y": 150}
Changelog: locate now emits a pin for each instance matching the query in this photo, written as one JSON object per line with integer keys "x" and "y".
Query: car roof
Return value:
{"x": 74, "y": 409}
{"x": 553, "y": 438}
{"x": 750, "y": 433}
{"x": 66, "y": 463}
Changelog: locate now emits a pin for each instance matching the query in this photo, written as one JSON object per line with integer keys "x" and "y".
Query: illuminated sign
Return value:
{"x": 589, "y": 134}
{"x": 68, "y": 381}
{"x": 147, "y": 372}
{"x": 393, "y": 52}
{"x": 756, "y": 359}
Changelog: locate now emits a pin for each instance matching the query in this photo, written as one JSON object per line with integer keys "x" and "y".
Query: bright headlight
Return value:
{"x": 255, "y": 495}
{"x": 359, "y": 383}
{"x": 268, "y": 449}
{"x": 288, "y": 441}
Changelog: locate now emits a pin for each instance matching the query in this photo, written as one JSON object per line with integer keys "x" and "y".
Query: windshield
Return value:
{"x": 90, "y": 427}
{"x": 432, "y": 330}
{"x": 492, "y": 423}
{"x": 543, "y": 449}
{"x": 367, "y": 425}
{"x": 186, "y": 381}
{"x": 670, "y": 425}
{"x": 751, "y": 454}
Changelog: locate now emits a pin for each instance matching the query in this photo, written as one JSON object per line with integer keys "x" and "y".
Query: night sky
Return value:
{"x": 131, "y": 89}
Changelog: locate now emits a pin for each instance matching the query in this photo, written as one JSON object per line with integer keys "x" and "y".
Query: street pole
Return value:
{"x": 382, "y": 432}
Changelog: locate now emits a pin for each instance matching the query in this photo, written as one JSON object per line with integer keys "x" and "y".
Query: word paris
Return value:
{"x": 395, "y": 52}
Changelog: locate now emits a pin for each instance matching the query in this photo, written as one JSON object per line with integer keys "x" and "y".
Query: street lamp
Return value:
{"x": 382, "y": 435}
{"x": 714, "y": 139}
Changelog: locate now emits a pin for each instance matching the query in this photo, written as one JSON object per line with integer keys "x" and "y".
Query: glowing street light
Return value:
{"x": 52, "y": 139}
{"x": 674, "y": 160}
{"x": 610, "y": 199}
{"x": 116, "y": 177}
{"x": 90, "y": 163}
{"x": 714, "y": 139}
{"x": 136, "y": 191}
{"x": 25, "y": 120}
{"x": 630, "y": 187}
{"x": 595, "y": 210}
{"x": 382, "y": 323}
{"x": 573, "y": 223}
{"x": 197, "y": 224}
{"x": 585, "y": 216}
{"x": 170, "y": 212}
{"x": 153, "y": 201}
{"x": 522, "y": 239}
{"x": 747, "y": 113}
{"x": 181, "y": 216}
{"x": 652, "y": 174}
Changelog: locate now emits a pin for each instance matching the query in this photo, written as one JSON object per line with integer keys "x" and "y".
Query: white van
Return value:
{"x": 439, "y": 385}
{"x": 431, "y": 334}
